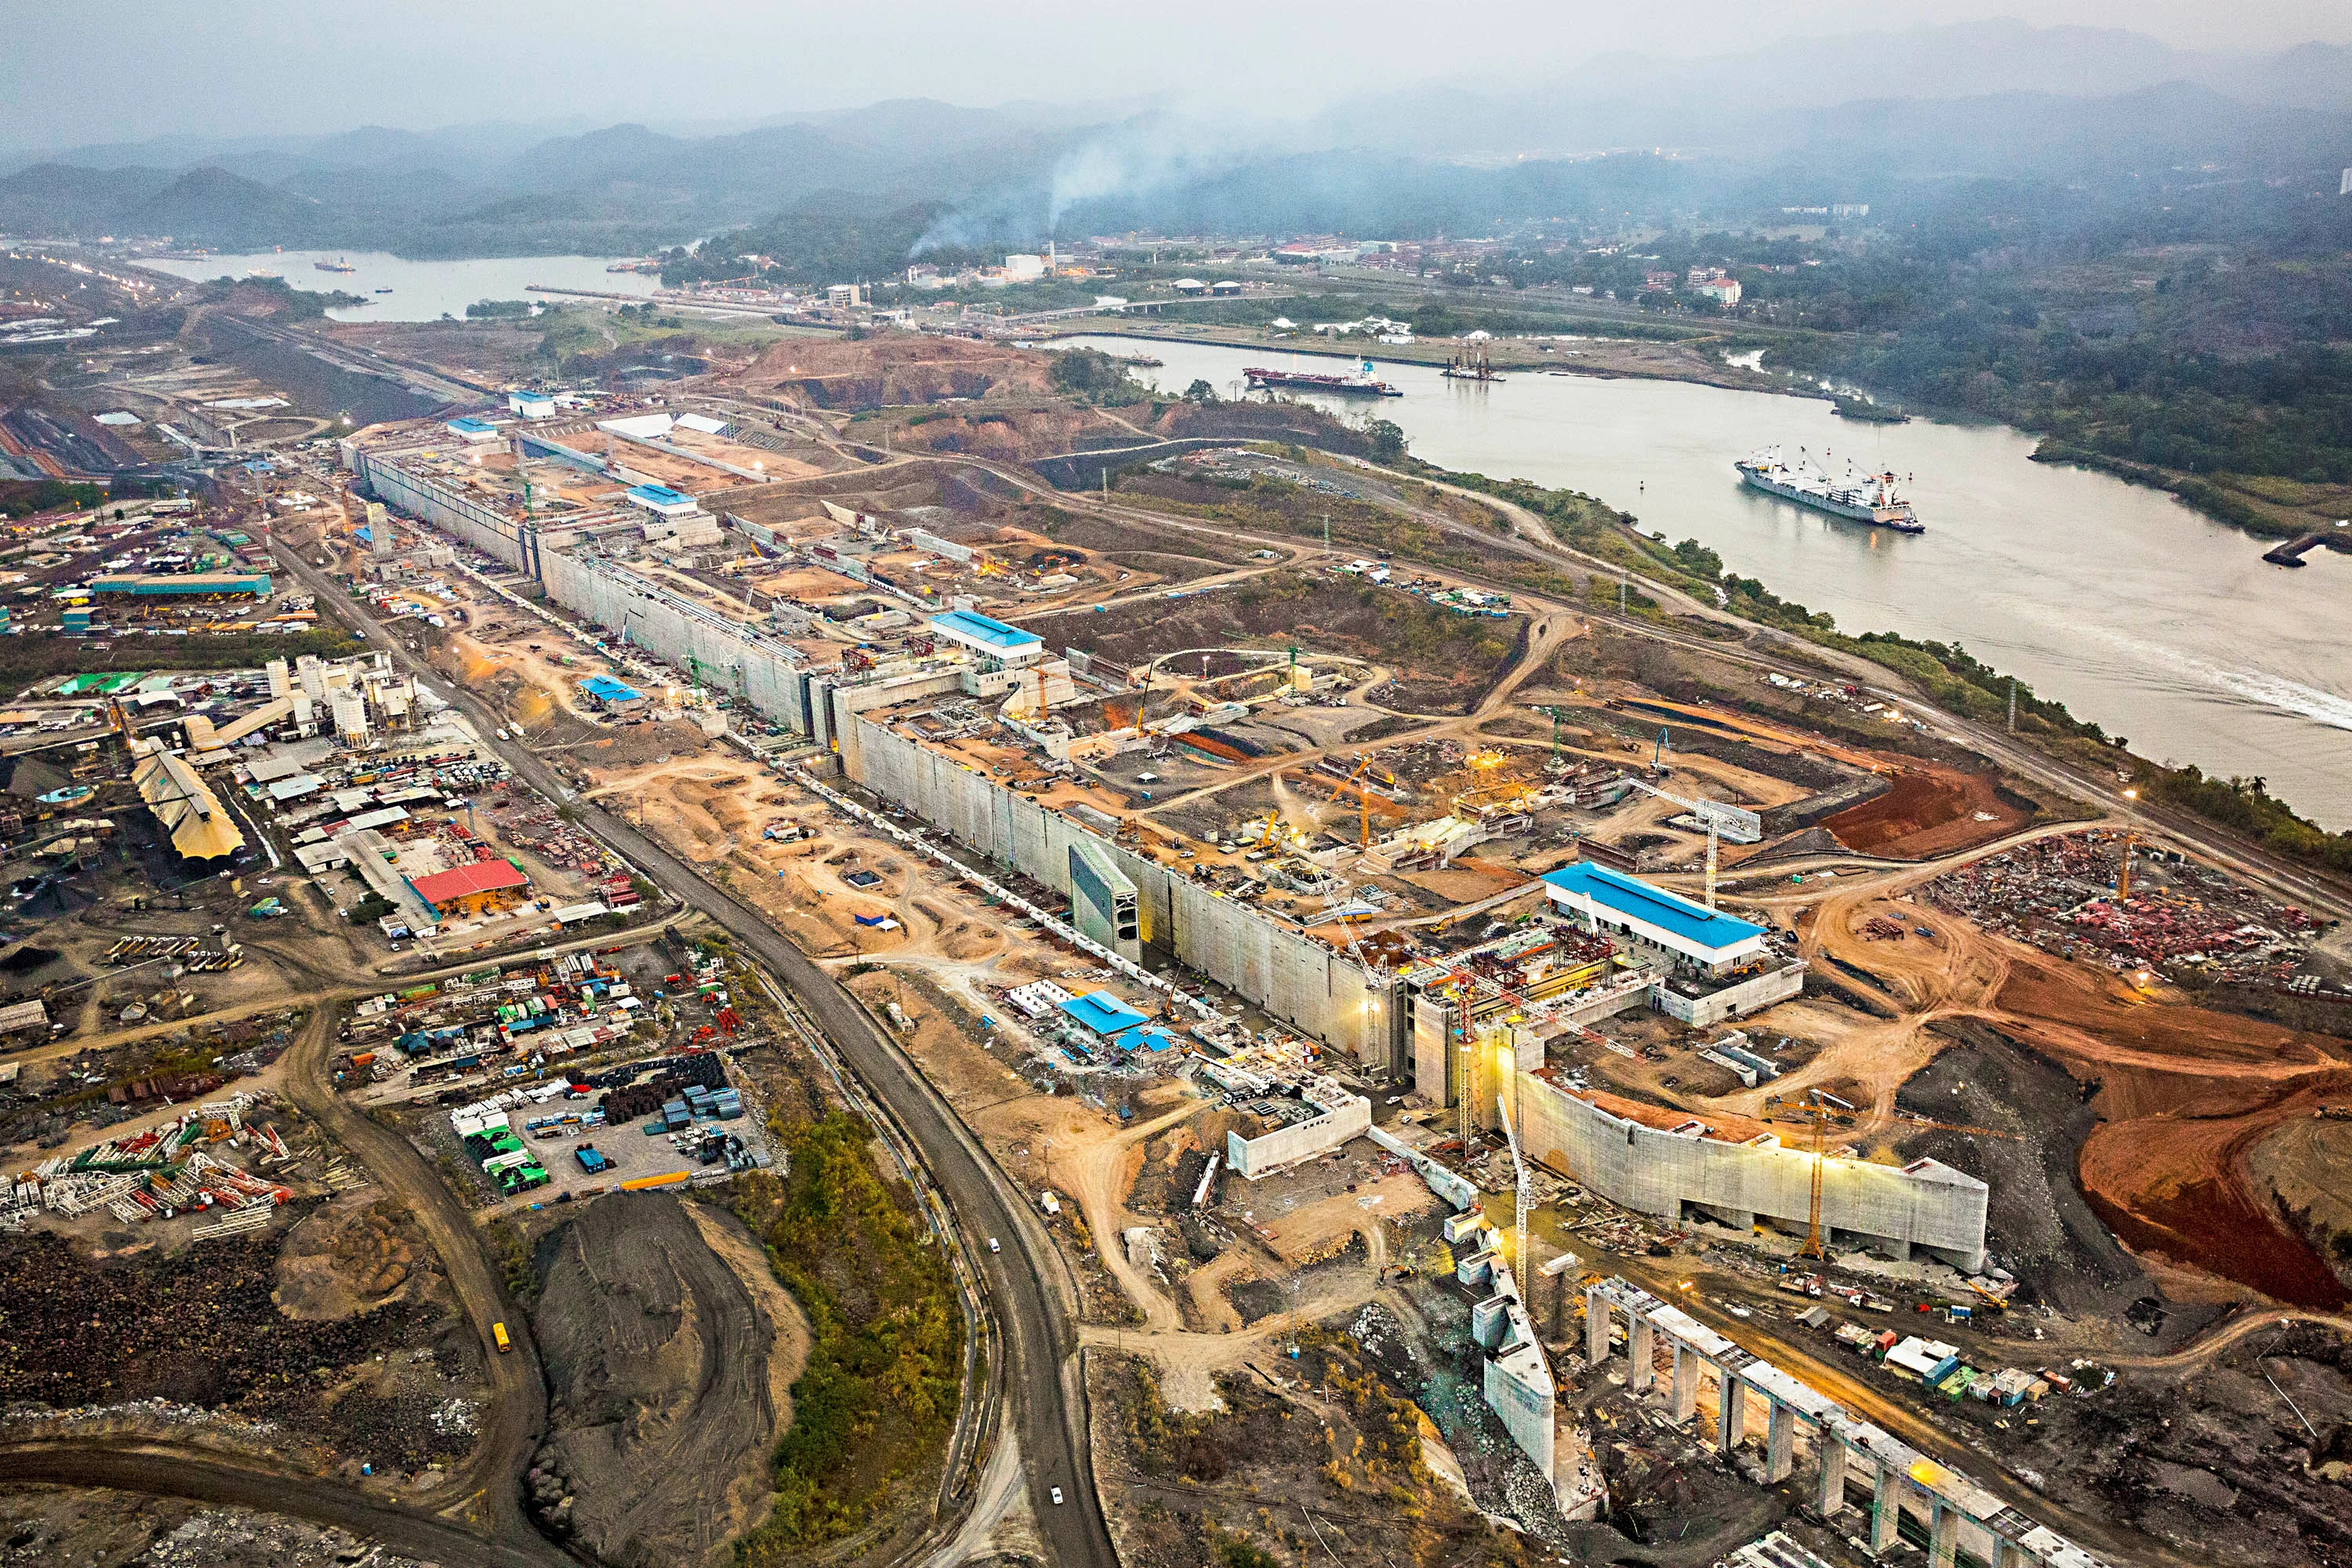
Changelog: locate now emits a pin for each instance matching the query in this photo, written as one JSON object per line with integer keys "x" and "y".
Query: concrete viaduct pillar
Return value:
{"x": 1596, "y": 1328}
{"x": 1642, "y": 1343}
{"x": 1886, "y": 1508}
{"x": 1685, "y": 1392}
{"x": 1943, "y": 1534}
{"x": 1829, "y": 1483}
{"x": 1730, "y": 1414}
{"x": 1779, "y": 1444}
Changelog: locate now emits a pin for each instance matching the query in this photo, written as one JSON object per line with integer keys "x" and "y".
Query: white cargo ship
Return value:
{"x": 1856, "y": 496}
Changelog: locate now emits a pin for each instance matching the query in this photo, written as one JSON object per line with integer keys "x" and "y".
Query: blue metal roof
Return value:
{"x": 610, "y": 689}
{"x": 469, "y": 426}
{"x": 1103, "y": 1013}
{"x": 1693, "y": 923}
{"x": 1144, "y": 1040}
{"x": 995, "y": 634}
{"x": 661, "y": 495}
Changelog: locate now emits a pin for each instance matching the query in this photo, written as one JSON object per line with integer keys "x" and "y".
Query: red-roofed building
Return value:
{"x": 470, "y": 890}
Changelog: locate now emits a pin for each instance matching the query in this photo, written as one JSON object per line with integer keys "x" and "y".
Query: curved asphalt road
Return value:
{"x": 1046, "y": 1399}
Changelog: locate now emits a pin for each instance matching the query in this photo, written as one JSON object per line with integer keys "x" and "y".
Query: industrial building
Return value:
{"x": 612, "y": 696}
{"x": 200, "y": 827}
{"x": 1712, "y": 966}
{"x": 662, "y": 500}
{"x": 477, "y": 888}
{"x": 209, "y": 585}
{"x": 994, "y": 644}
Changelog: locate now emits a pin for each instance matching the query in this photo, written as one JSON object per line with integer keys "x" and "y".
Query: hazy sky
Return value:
{"x": 107, "y": 69}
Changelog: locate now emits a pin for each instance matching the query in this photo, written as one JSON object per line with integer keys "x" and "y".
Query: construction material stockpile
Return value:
{"x": 2059, "y": 895}
{"x": 187, "y": 1166}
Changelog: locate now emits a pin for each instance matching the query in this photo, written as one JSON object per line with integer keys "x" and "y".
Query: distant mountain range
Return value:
{"x": 1836, "y": 118}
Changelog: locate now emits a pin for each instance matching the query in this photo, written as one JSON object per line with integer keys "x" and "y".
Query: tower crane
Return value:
{"x": 1525, "y": 1192}
{"x": 1710, "y": 812}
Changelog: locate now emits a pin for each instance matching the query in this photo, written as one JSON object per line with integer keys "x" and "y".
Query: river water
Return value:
{"x": 2116, "y": 600}
{"x": 421, "y": 291}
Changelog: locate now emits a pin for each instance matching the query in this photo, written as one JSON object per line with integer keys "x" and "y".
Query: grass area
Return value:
{"x": 27, "y": 660}
{"x": 872, "y": 1413}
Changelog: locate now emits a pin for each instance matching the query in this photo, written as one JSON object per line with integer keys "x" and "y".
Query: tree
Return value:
{"x": 1199, "y": 392}
{"x": 1388, "y": 439}
{"x": 1088, "y": 372}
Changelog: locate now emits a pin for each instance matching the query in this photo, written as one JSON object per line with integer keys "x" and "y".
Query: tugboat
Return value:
{"x": 1856, "y": 496}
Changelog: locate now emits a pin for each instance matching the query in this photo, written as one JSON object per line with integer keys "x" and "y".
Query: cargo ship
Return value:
{"x": 337, "y": 264}
{"x": 1856, "y": 496}
{"x": 1363, "y": 384}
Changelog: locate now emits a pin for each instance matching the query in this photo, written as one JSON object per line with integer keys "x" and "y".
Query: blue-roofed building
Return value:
{"x": 996, "y": 644}
{"x": 1712, "y": 965}
{"x": 472, "y": 430}
{"x": 531, "y": 404}
{"x": 662, "y": 500}
{"x": 1101, "y": 1017}
{"x": 1703, "y": 940}
{"x": 611, "y": 695}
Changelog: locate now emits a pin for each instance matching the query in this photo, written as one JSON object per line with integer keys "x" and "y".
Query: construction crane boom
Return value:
{"x": 1704, "y": 815}
{"x": 1525, "y": 1192}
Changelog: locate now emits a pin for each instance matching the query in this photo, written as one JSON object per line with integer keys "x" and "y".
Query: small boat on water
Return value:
{"x": 384, "y": 290}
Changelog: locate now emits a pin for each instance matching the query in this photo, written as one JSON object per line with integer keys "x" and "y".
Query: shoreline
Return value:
{"x": 1509, "y": 356}
{"x": 2204, "y": 497}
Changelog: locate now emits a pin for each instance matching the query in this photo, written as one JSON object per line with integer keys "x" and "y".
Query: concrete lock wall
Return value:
{"x": 1659, "y": 1172}
{"x": 1254, "y": 1157}
{"x": 743, "y": 663}
{"x": 1295, "y": 979}
{"x": 417, "y": 495}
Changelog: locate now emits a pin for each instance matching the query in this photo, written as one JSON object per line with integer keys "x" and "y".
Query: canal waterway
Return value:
{"x": 421, "y": 291}
{"x": 2116, "y": 599}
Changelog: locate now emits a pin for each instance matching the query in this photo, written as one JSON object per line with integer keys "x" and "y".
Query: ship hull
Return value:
{"x": 1332, "y": 383}
{"x": 1899, "y": 522}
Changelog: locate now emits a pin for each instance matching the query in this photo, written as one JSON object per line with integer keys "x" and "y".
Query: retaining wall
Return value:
{"x": 1925, "y": 1205}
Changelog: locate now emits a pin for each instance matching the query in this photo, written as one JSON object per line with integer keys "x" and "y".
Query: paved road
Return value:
{"x": 1048, "y": 1405}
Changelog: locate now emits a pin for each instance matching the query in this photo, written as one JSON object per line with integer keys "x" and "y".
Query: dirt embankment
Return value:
{"x": 2184, "y": 1094}
{"x": 892, "y": 370}
{"x": 662, "y": 1393}
{"x": 1444, "y": 661}
{"x": 1930, "y": 812}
